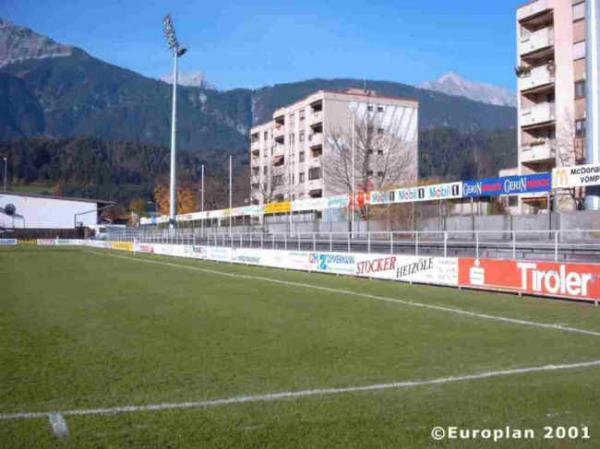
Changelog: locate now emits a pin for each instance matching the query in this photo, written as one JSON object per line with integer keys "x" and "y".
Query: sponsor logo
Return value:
{"x": 325, "y": 261}
{"x": 376, "y": 265}
{"x": 508, "y": 185}
{"x": 413, "y": 268}
{"x": 557, "y": 281}
{"x": 576, "y": 176}
{"x": 577, "y": 281}
{"x": 146, "y": 249}
{"x": 8, "y": 242}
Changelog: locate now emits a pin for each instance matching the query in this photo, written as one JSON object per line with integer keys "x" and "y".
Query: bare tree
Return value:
{"x": 567, "y": 148}
{"x": 383, "y": 158}
{"x": 368, "y": 155}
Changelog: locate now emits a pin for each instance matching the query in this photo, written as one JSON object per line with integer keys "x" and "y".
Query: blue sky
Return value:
{"x": 255, "y": 43}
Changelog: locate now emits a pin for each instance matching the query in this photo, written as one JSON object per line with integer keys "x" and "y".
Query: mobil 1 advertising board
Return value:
{"x": 434, "y": 192}
{"x": 508, "y": 185}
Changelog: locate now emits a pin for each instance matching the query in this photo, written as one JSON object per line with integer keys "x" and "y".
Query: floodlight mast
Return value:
{"x": 178, "y": 51}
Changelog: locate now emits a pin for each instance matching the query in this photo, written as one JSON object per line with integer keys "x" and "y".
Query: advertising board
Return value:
{"x": 8, "y": 242}
{"x": 566, "y": 280}
{"x": 416, "y": 194}
{"x": 508, "y": 185}
{"x": 122, "y": 246}
{"x": 283, "y": 207}
{"x": 426, "y": 270}
{"x": 576, "y": 176}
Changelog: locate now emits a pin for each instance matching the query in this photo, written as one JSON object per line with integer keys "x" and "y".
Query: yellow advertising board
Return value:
{"x": 284, "y": 207}
{"x": 122, "y": 246}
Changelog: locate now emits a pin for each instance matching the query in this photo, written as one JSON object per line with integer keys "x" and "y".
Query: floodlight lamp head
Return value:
{"x": 181, "y": 51}
{"x": 169, "y": 30}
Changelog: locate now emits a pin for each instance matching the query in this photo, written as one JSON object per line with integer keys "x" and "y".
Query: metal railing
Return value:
{"x": 573, "y": 245}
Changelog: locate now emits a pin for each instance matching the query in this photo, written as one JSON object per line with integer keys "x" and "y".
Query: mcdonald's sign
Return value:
{"x": 576, "y": 176}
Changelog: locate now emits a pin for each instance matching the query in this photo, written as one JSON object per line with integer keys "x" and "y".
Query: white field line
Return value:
{"x": 270, "y": 397}
{"x": 405, "y": 302}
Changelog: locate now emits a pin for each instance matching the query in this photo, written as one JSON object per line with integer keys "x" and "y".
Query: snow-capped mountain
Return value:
{"x": 19, "y": 44}
{"x": 194, "y": 79}
{"x": 453, "y": 84}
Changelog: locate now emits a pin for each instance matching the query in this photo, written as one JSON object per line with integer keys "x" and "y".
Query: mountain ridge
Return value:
{"x": 75, "y": 94}
{"x": 453, "y": 84}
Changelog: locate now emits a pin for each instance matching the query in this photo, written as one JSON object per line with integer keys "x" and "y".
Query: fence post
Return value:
{"x": 391, "y": 243}
{"x": 477, "y": 244}
{"x": 273, "y": 242}
{"x": 262, "y": 240}
{"x": 556, "y": 246}
{"x": 369, "y": 242}
{"x": 445, "y": 244}
{"x": 285, "y": 241}
{"x": 349, "y": 249}
{"x": 417, "y": 243}
{"x": 514, "y": 239}
{"x": 314, "y": 242}
{"x": 299, "y": 241}
{"x": 330, "y": 242}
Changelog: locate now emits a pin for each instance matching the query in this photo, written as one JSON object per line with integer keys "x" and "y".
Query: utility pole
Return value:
{"x": 352, "y": 199}
{"x": 230, "y": 191}
{"x": 5, "y": 177}
{"x": 593, "y": 95}
{"x": 202, "y": 199}
{"x": 178, "y": 51}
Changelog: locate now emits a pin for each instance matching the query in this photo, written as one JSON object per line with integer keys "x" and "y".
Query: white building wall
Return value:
{"x": 47, "y": 213}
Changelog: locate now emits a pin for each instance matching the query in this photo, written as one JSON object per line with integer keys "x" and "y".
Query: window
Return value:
{"x": 301, "y": 178}
{"x": 370, "y": 173}
{"x": 380, "y": 109}
{"x": 380, "y": 152}
{"x": 266, "y": 135}
{"x": 301, "y": 136}
{"x": 264, "y": 170}
{"x": 301, "y": 115}
{"x": 379, "y": 130}
{"x": 380, "y": 174}
{"x": 370, "y": 108}
{"x": 314, "y": 173}
{"x": 370, "y": 151}
{"x": 277, "y": 180}
{"x": 580, "y": 128}
{"x": 301, "y": 156}
{"x": 580, "y": 89}
{"x": 292, "y": 139}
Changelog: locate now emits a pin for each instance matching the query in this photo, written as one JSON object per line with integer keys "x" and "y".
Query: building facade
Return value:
{"x": 303, "y": 152}
{"x": 551, "y": 70}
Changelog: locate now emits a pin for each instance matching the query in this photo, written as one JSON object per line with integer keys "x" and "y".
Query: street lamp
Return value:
{"x": 178, "y": 51}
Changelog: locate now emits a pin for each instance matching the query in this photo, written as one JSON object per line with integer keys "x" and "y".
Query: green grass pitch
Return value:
{"x": 88, "y": 329}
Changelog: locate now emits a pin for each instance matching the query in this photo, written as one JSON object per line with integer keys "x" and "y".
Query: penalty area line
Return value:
{"x": 271, "y": 397}
{"x": 406, "y": 302}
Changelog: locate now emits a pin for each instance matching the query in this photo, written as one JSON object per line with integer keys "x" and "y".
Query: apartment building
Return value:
{"x": 551, "y": 70}
{"x": 290, "y": 155}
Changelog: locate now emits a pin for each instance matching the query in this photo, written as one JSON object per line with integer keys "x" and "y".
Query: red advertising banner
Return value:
{"x": 562, "y": 280}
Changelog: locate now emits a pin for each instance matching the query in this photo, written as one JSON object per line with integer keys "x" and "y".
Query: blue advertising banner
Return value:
{"x": 508, "y": 185}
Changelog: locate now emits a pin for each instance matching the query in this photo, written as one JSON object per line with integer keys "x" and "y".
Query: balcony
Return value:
{"x": 315, "y": 140}
{"x": 316, "y": 117}
{"x": 533, "y": 9}
{"x": 537, "y": 78}
{"x": 279, "y": 133}
{"x": 538, "y": 114}
{"x": 538, "y": 151}
{"x": 532, "y": 42}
